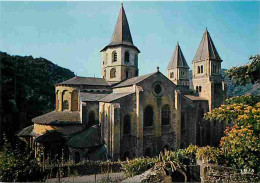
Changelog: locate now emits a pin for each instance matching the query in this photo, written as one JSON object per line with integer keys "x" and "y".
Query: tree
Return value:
{"x": 249, "y": 73}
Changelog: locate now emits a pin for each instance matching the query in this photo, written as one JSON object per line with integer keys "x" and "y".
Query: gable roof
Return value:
{"x": 134, "y": 80}
{"x": 178, "y": 59}
{"x": 114, "y": 96}
{"x": 122, "y": 34}
{"x": 206, "y": 49}
{"x": 91, "y": 96}
{"x": 85, "y": 81}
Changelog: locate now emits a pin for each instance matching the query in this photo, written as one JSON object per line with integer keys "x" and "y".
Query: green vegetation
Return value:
{"x": 27, "y": 90}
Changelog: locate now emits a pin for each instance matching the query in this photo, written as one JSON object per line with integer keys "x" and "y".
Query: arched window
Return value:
{"x": 198, "y": 69}
{"x": 104, "y": 73}
{"x": 113, "y": 73}
{"x": 148, "y": 152}
{"x": 127, "y": 125}
{"x": 199, "y": 88}
{"x": 148, "y": 116}
{"x": 57, "y": 100}
{"x": 74, "y": 100}
{"x": 171, "y": 75}
{"x": 114, "y": 56}
{"x": 76, "y": 157}
{"x": 126, "y": 74}
{"x": 166, "y": 115}
{"x": 201, "y": 69}
{"x": 65, "y": 105}
{"x": 91, "y": 119}
{"x": 126, "y": 56}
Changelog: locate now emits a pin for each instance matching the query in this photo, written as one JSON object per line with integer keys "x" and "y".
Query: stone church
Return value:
{"x": 123, "y": 114}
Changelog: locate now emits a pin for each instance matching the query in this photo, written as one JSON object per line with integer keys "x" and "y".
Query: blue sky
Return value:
{"x": 71, "y": 34}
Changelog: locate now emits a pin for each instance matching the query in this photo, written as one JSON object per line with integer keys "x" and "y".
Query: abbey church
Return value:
{"x": 124, "y": 115}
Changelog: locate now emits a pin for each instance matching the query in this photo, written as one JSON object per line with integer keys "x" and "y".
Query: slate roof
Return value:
{"x": 206, "y": 49}
{"x": 27, "y": 132}
{"x": 178, "y": 59}
{"x": 58, "y": 118}
{"x": 134, "y": 80}
{"x": 195, "y": 98}
{"x": 91, "y": 137}
{"x": 77, "y": 80}
{"x": 122, "y": 34}
{"x": 91, "y": 96}
{"x": 50, "y": 136}
{"x": 114, "y": 96}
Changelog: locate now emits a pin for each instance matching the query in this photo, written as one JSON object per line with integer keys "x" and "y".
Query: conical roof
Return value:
{"x": 177, "y": 59}
{"x": 206, "y": 49}
{"x": 122, "y": 34}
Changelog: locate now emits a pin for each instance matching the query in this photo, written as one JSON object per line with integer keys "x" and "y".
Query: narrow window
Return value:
{"x": 127, "y": 125}
{"x": 166, "y": 115}
{"x": 113, "y": 73}
{"x": 201, "y": 70}
{"x": 198, "y": 69}
{"x": 126, "y": 56}
{"x": 171, "y": 75}
{"x": 91, "y": 119}
{"x": 199, "y": 88}
{"x": 114, "y": 56}
{"x": 105, "y": 73}
{"x": 126, "y": 74}
{"x": 148, "y": 116}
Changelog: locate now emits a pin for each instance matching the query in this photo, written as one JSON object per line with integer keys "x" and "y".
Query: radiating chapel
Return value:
{"x": 124, "y": 115}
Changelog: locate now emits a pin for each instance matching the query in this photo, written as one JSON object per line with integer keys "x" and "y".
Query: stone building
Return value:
{"x": 127, "y": 115}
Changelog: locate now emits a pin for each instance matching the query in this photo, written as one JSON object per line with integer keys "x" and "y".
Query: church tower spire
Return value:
{"x": 206, "y": 76}
{"x": 120, "y": 56}
{"x": 178, "y": 69}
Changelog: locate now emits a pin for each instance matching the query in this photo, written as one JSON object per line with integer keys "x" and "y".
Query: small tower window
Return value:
{"x": 114, "y": 56}
{"x": 199, "y": 88}
{"x": 126, "y": 74}
{"x": 113, "y": 73}
{"x": 198, "y": 69}
{"x": 105, "y": 73}
{"x": 126, "y": 56}
{"x": 171, "y": 75}
{"x": 201, "y": 69}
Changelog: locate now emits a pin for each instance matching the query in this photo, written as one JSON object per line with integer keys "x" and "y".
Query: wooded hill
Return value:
{"x": 27, "y": 90}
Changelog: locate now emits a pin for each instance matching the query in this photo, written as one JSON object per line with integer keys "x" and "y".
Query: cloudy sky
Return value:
{"x": 71, "y": 34}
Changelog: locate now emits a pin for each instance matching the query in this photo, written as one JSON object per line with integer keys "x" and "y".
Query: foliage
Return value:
{"x": 18, "y": 166}
{"x": 27, "y": 89}
{"x": 138, "y": 165}
{"x": 208, "y": 154}
{"x": 249, "y": 73}
{"x": 241, "y": 147}
{"x": 238, "y": 113}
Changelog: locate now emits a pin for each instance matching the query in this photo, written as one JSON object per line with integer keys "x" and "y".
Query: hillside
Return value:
{"x": 27, "y": 89}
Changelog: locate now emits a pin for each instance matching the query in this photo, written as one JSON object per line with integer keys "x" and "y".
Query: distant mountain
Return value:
{"x": 27, "y": 89}
{"x": 233, "y": 90}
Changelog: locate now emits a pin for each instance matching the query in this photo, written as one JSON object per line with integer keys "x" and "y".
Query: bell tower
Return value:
{"x": 120, "y": 57}
{"x": 178, "y": 69}
{"x": 206, "y": 76}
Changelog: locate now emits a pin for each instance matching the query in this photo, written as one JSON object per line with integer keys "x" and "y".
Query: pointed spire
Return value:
{"x": 122, "y": 34}
{"x": 206, "y": 48}
{"x": 178, "y": 59}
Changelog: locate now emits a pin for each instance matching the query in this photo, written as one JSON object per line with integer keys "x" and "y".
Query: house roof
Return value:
{"x": 50, "y": 136}
{"x": 58, "y": 118}
{"x": 206, "y": 49}
{"x": 134, "y": 80}
{"x": 195, "y": 98}
{"x": 122, "y": 34}
{"x": 27, "y": 132}
{"x": 178, "y": 59}
{"x": 91, "y": 137}
{"x": 91, "y": 96}
{"x": 77, "y": 80}
{"x": 114, "y": 96}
